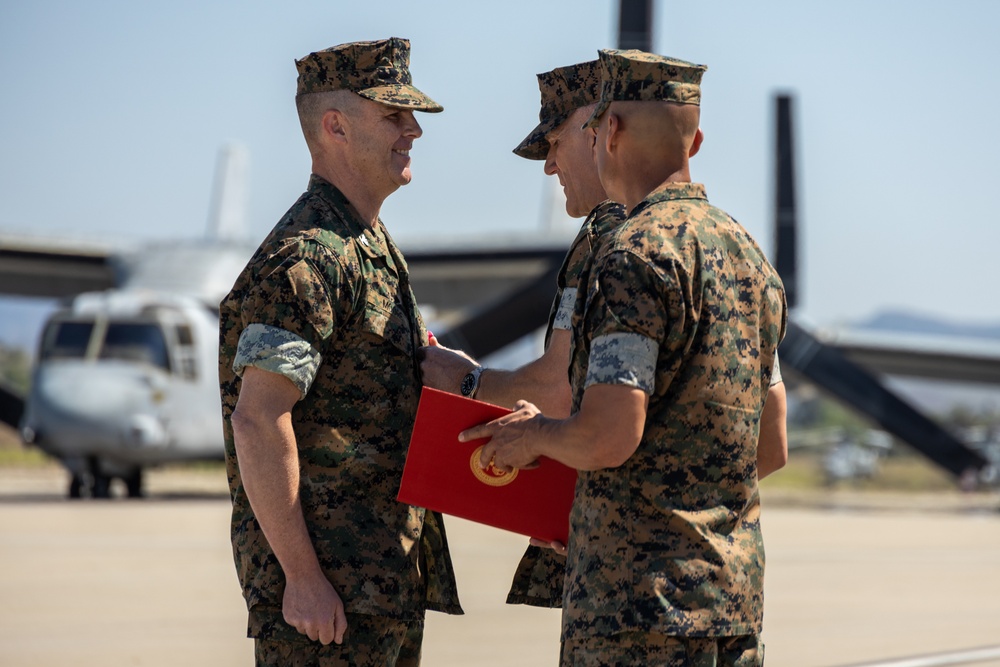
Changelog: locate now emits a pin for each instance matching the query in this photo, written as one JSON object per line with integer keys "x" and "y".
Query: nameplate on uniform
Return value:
{"x": 444, "y": 475}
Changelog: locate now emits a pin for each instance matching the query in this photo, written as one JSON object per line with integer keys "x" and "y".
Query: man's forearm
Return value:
{"x": 543, "y": 382}
{"x": 772, "y": 444}
{"x": 529, "y": 383}
{"x": 603, "y": 434}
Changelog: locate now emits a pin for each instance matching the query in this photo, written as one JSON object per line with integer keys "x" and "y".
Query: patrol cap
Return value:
{"x": 564, "y": 90}
{"x": 638, "y": 76}
{"x": 378, "y": 70}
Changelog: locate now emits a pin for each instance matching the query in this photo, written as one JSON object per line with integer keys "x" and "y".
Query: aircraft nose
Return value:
{"x": 87, "y": 405}
{"x": 87, "y": 394}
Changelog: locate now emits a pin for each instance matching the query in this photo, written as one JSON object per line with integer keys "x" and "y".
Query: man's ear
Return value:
{"x": 614, "y": 131}
{"x": 699, "y": 137}
{"x": 334, "y": 125}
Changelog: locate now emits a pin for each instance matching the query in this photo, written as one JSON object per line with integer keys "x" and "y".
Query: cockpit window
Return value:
{"x": 66, "y": 340}
{"x": 133, "y": 341}
{"x": 184, "y": 336}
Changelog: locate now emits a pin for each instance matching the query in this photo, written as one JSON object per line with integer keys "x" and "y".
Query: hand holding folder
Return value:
{"x": 444, "y": 475}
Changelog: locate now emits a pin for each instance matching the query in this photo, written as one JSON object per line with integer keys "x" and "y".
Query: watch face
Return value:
{"x": 468, "y": 384}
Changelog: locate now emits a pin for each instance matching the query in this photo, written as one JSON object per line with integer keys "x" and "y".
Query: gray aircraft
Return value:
{"x": 126, "y": 375}
{"x": 127, "y": 370}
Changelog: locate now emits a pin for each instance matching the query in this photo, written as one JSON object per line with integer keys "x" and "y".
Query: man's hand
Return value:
{"x": 443, "y": 368}
{"x": 558, "y": 547}
{"x": 313, "y": 608}
{"x": 513, "y": 438}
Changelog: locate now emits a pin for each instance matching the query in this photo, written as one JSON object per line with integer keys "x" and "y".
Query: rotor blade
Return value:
{"x": 635, "y": 25}
{"x": 830, "y": 370}
{"x": 518, "y": 314}
{"x": 785, "y": 218}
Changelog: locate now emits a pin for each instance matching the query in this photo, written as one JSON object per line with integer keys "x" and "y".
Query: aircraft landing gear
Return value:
{"x": 133, "y": 483}
{"x": 101, "y": 486}
{"x": 76, "y": 486}
{"x": 93, "y": 482}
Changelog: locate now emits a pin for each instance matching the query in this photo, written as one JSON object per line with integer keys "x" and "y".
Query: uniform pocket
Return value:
{"x": 388, "y": 323}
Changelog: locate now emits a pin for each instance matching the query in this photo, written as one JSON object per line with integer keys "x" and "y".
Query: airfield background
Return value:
{"x": 873, "y": 554}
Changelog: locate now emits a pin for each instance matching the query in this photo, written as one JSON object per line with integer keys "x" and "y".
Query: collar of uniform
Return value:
{"x": 362, "y": 233}
{"x": 606, "y": 216}
{"x": 671, "y": 192}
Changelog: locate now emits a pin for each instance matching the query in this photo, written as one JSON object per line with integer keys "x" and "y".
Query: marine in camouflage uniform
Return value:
{"x": 666, "y": 559}
{"x": 326, "y": 303}
{"x": 565, "y": 91}
{"x": 538, "y": 580}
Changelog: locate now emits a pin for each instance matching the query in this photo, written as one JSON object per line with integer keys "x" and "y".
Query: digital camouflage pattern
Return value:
{"x": 623, "y": 358}
{"x": 605, "y": 217}
{"x": 645, "y": 648}
{"x": 369, "y": 641}
{"x": 378, "y": 70}
{"x": 341, "y": 287}
{"x": 670, "y": 541}
{"x": 564, "y": 90}
{"x": 277, "y": 351}
{"x": 637, "y": 76}
{"x": 538, "y": 580}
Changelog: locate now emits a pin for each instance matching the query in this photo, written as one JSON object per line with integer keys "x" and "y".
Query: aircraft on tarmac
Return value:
{"x": 127, "y": 368}
{"x": 126, "y": 372}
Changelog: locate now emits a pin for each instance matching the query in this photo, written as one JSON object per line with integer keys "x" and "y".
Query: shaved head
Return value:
{"x": 642, "y": 144}
{"x": 665, "y": 127}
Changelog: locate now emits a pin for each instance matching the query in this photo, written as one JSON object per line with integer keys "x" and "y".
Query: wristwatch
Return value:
{"x": 470, "y": 383}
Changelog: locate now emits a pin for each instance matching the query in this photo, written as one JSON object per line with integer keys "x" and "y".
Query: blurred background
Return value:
{"x": 116, "y": 119}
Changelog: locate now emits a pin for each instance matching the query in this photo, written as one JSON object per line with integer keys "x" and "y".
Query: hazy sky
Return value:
{"x": 111, "y": 115}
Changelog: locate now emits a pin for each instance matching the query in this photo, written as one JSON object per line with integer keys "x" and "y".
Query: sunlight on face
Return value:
{"x": 380, "y": 142}
{"x": 571, "y": 159}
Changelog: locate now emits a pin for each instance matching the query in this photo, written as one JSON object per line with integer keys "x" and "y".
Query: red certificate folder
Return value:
{"x": 443, "y": 474}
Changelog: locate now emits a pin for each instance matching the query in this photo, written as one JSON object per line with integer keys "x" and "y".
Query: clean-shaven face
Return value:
{"x": 570, "y": 158}
{"x": 382, "y": 137}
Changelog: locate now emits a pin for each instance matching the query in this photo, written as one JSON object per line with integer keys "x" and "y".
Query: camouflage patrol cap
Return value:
{"x": 638, "y": 76}
{"x": 564, "y": 90}
{"x": 378, "y": 70}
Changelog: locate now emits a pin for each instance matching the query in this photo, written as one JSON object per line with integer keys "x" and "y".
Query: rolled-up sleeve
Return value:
{"x": 289, "y": 314}
{"x": 629, "y": 321}
{"x": 564, "y": 311}
{"x": 623, "y": 358}
{"x": 277, "y": 351}
{"x": 776, "y": 371}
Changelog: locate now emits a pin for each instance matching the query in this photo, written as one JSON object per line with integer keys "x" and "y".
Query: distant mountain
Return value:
{"x": 907, "y": 322}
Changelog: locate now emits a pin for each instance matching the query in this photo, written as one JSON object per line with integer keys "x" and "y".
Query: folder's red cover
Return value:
{"x": 443, "y": 474}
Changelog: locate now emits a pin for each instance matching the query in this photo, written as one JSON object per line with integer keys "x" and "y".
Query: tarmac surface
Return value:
{"x": 851, "y": 579}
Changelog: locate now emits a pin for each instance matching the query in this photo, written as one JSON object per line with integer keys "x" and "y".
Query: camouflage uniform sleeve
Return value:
{"x": 538, "y": 581}
{"x": 633, "y": 321}
{"x": 564, "y": 311}
{"x": 776, "y": 371}
{"x": 287, "y": 315}
{"x": 277, "y": 351}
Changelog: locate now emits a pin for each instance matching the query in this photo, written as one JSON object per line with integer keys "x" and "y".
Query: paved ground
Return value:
{"x": 850, "y": 579}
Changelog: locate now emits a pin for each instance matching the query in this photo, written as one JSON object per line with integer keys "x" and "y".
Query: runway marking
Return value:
{"x": 940, "y": 659}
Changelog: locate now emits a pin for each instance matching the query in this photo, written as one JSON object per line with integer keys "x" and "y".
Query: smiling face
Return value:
{"x": 570, "y": 158}
{"x": 380, "y": 140}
